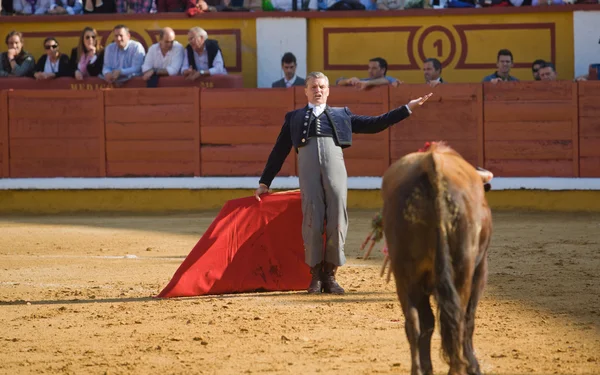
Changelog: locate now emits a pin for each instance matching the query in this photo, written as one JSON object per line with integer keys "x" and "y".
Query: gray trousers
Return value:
{"x": 324, "y": 191}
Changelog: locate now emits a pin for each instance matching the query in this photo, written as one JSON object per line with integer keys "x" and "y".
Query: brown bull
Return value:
{"x": 438, "y": 227}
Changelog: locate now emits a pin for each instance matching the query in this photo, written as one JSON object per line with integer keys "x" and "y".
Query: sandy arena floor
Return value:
{"x": 70, "y": 302}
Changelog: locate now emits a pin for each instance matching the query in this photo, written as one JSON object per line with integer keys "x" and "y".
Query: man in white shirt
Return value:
{"x": 202, "y": 57}
{"x": 163, "y": 58}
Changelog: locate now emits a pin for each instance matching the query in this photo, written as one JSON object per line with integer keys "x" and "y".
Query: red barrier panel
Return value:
{"x": 452, "y": 114}
{"x": 4, "y": 161}
{"x": 239, "y": 128}
{"x": 152, "y": 132}
{"x": 94, "y": 83}
{"x": 589, "y": 128}
{"x": 369, "y": 154}
{"x": 56, "y": 133}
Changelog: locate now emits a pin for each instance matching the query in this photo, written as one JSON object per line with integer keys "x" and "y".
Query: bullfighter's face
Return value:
{"x": 317, "y": 90}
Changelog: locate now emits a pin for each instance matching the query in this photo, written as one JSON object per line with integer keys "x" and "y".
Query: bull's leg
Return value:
{"x": 479, "y": 279}
{"x": 427, "y": 324}
{"x": 412, "y": 327}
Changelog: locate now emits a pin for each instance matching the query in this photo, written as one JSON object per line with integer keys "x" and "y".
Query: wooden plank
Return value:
{"x": 247, "y": 98}
{"x": 44, "y": 109}
{"x": 530, "y": 168}
{"x": 589, "y": 146}
{"x": 467, "y": 149}
{"x": 528, "y": 130}
{"x": 228, "y": 135}
{"x": 196, "y": 133}
{"x": 53, "y": 94}
{"x": 247, "y": 168}
{"x": 156, "y": 96}
{"x": 54, "y": 128}
{"x": 551, "y": 110}
{"x": 55, "y": 167}
{"x": 589, "y": 167}
{"x": 589, "y": 106}
{"x": 367, "y": 149}
{"x": 4, "y": 138}
{"x": 241, "y": 117}
{"x": 237, "y": 153}
{"x": 529, "y": 91}
{"x": 150, "y": 151}
{"x": 415, "y": 128}
{"x": 575, "y": 127}
{"x": 185, "y": 130}
{"x": 154, "y": 169}
{"x": 589, "y": 88}
{"x": 589, "y": 126}
{"x": 480, "y": 127}
{"x": 349, "y": 95}
{"x": 101, "y": 133}
{"x": 55, "y": 148}
{"x": 364, "y": 167}
{"x": 461, "y": 92}
{"x": 440, "y": 111}
{"x": 172, "y": 113}
{"x": 527, "y": 150}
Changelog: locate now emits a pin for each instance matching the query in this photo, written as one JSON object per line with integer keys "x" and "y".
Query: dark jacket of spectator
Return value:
{"x": 64, "y": 68}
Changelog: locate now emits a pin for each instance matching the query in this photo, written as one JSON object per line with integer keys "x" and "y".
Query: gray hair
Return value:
{"x": 198, "y": 31}
{"x": 316, "y": 75}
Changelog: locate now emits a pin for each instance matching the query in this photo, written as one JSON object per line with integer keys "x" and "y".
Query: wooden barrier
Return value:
{"x": 4, "y": 159}
{"x": 531, "y": 129}
{"x": 56, "y": 134}
{"x": 589, "y": 128}
{"x": 453, "y": 114}
{"x": 238, "y": 130}
{"x": 369, "y": 154}
{"x": 514, "y": 129}
{"x": 94, "y": 83}
{"x": 152, "y": 132}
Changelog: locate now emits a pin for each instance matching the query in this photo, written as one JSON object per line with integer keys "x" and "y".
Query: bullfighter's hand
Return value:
{"x": 262, "y": 188}
{"x": 418, "y": 102}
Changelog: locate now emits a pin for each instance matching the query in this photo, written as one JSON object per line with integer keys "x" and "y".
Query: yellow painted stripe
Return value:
{"x": 169, "y": 200}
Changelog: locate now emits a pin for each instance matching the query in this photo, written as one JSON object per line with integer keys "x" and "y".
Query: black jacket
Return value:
{"x": 344, "y": 123}
{"x": 64, "y": 68}
{"x": 212, "y": 48}
{"x": 94, "y": 69}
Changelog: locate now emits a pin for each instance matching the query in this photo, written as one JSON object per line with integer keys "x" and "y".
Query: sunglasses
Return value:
{"x": 90, "y": 37}
{"x": 53, "y": 46}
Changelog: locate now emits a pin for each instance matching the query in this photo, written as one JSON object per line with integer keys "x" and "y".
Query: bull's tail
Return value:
{"x": 448, "y": 300}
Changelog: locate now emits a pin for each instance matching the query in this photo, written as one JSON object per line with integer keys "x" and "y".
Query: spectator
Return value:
{"x": 134, "y": 6}
{"x": 16, "y": 62}
{"x": 163, "y": 59}
{"x": 53, "y": 64}
{"x": 432, "y": 71}
{"x": 70, "y": 7}
{"x": 340, "y": 5}
{"x": 123, "y": 58}
{"x": 37, "y": 7}
{"x": 504, "y": 62}
{"x": 548, "y": 72}
{"x": 535, "y": 67}
{"x": 377, "y": 76}
{"x": 202, "y": 56}
{"x": 288, "y": 65}
{"x": 88, "y": 57}
{"x": 287, "y": 5}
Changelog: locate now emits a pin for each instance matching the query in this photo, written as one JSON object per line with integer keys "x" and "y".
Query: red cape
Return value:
{"x": 249, "y": 246}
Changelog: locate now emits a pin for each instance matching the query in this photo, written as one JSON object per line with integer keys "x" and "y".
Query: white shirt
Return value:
{"x": 172, "y": 61}
{"x": 202, "y": 62}
{"x": 289, "y": 83}
{"x": 317, "y": 109}
{"x": 51, "y": 67}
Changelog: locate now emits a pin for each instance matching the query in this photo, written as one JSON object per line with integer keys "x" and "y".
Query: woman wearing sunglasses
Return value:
{"x": 88, "y": 57}
{"x": 53, "y": 64}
